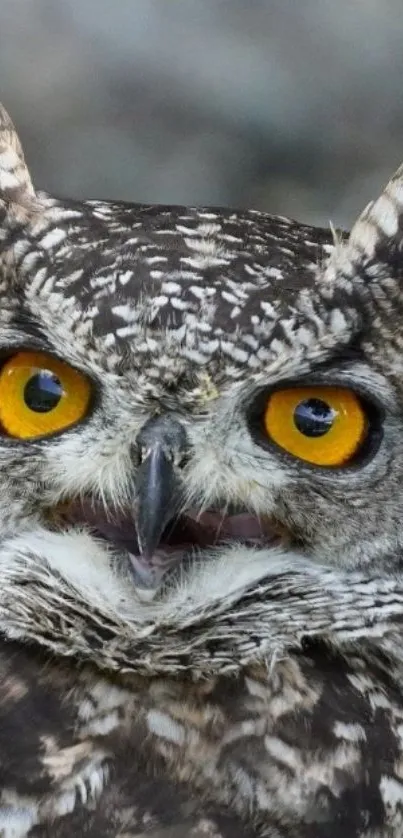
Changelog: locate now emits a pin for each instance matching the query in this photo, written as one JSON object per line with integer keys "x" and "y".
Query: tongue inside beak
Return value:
{"x": 194, "y": 531}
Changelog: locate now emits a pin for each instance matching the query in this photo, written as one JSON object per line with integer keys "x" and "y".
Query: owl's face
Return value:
{"x": 176, "y": 380}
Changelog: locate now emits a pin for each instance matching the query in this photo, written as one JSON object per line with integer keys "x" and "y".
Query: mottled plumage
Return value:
{"x": 260, "y": 691}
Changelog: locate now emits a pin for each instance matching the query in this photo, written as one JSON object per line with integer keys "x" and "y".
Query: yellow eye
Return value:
{"x": 40, "y": 395}
{"x": 322, "y": 425}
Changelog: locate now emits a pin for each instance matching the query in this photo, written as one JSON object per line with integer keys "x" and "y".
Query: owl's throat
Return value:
{"x": 188, "y": 536}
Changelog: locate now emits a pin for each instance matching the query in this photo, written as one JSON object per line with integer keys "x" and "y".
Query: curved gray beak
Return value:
{"x": 158, "y": 499}
{"x": 162, "y": 444}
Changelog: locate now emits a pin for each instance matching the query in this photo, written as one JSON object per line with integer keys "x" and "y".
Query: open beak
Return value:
{"x": 162, "y": 442}
{"x": 158, "y": 503}
{"x": 157, "y": 532}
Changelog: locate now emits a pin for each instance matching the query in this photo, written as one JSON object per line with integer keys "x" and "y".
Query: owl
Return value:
{"x": 201, "y": 542}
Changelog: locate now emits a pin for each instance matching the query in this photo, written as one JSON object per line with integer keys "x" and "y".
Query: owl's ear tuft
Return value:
{"x": 16, "y": 189}
{"x": 368, "y": 268}
{"x": 374, "y": 248}
{"x": 380, "y": 226}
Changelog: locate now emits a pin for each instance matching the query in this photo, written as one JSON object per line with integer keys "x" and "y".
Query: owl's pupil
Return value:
{"x": 313, "y": 417}
{"x": 43, "y": 392}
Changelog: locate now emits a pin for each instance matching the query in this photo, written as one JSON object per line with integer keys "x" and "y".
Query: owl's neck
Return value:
{"x": 228, "y": 612}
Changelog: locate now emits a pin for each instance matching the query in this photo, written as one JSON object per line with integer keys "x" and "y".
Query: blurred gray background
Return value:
{"x": 293, "y": 106}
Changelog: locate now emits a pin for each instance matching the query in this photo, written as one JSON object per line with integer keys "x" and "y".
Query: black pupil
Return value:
{"x": 314, "y": 417}
{"x": 43, "y": 392}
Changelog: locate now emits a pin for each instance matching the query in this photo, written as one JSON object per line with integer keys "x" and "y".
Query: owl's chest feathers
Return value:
{"x": 76, "y": 731}
{"x": 278, "y": 698}
{"x": 291, "y": 741}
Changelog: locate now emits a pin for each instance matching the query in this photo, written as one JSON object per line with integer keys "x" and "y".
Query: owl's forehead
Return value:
{"x": 106, "y": 252}
{"x": 215, "y": 286}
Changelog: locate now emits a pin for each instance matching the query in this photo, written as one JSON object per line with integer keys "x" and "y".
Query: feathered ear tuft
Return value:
{"x": 379, "y": 227}
{"x": 374, "y": 248}
{"x": 16, "y": 189}
{"x": 368, "y": 268}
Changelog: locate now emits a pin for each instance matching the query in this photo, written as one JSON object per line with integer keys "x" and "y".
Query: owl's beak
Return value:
{"x": 158, "y": 491}
{"x": 158, "y": 487}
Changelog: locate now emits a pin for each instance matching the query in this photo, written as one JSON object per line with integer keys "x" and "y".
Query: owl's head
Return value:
{"x": 178, "y": 383}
